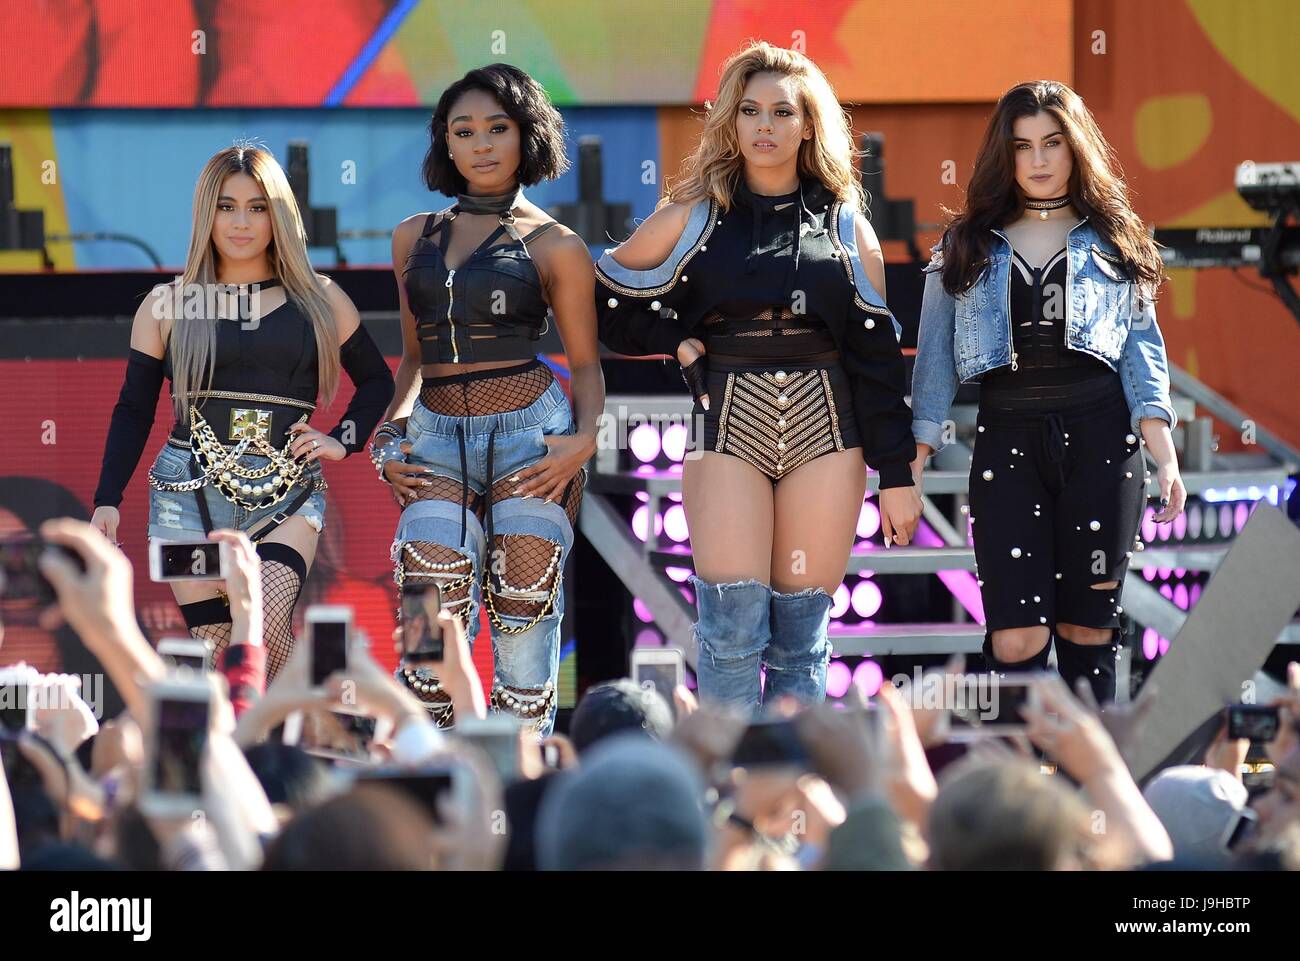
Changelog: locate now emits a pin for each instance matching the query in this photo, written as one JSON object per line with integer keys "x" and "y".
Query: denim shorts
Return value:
{"x": 174, "y": 515}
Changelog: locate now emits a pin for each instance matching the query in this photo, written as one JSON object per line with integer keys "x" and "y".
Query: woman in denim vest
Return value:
{"x": 776, "y": 282}
{"x": 483, "y": 450}
{"x": 1042, "y": 291}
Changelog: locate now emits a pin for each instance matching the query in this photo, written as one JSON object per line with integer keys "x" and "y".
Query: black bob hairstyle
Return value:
{"x": 541, "y": 128}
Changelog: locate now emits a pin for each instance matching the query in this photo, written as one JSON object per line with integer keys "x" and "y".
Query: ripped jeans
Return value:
{"x": 487, "y": 548}
{"x": 747, "y": 632}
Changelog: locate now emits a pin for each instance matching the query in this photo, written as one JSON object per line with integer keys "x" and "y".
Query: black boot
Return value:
{"x": 1096, "y": 662}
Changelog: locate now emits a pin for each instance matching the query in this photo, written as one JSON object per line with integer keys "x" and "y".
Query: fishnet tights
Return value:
{"x": 488, "y": 395}
{"x": 280, "y": 588}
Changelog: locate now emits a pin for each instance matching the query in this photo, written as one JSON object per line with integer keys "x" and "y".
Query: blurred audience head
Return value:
{"x": 371, "y": 828}
{"x": 1199, "y": 806}
{"x": 634, "y": 804}
{"x": 1005, "y": 815}
{"x": 616, "y": 707}
{"x": 289, "y": 775}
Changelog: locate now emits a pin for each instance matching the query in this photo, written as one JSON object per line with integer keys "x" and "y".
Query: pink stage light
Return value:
{"x": 640, "y": 519}
{"x": 673, "y": 442}
{"x": 1180, "y": 526}
{"x": 840, "y": 601}
{"x": 868, "y": 677}
{"x": 648, "y": 637}
{"x": 1164, "y": 645}
{"x": 1225, "y": 519}
{"x": 838, "y": 678}
{"x": 1150, "y": 644}
{"x": 1149, "y": 573}
{"x": 675, "y": 523}
{"x": 866, "y": 598}
{"x": 1194, "y": 594}
{"x": 1241, "y": 515}
{"x": 678, "y": 574}
{"x": 641, "y": 611}
{"x": 644, "y": 443}
{"x": 1180, "y": 597}
{"x": 1167, "y": 591}
{"x": 1149, "y": 525}
{"x": 643, "y": 497}
{"x": 868, "y": 519}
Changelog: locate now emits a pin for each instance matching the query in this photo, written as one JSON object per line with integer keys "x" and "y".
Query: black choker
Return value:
{"x": 273, "y": 282}
{"x": 1043, "y": 206}
{"x": 479, "y": 204}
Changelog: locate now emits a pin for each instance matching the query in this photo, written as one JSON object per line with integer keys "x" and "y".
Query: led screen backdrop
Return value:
{"x": 370, "y": 53}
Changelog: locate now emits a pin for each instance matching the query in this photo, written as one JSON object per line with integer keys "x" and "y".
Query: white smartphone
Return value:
{"x": 177, "y": 735}
{"x": 329, "y": 631}
{"x": 498, "y": 737}
{"x": 990, "y": 705}
{"x": 187, "y": 561}
{"x": 660, "y": 669}
{"x": 186, "y": 652}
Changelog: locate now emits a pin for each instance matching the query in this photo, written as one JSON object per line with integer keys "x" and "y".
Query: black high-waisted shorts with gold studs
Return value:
{"x": 777, "y": 415}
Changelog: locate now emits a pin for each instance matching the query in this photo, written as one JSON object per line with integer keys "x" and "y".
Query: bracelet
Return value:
{"x": 379, "y": 452}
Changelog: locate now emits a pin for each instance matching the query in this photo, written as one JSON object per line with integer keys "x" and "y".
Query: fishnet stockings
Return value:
{"x": 487, "y": 395}
{"x": 280, "y": 588}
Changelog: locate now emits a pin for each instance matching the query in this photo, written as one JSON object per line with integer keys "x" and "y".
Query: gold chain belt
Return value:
{"x": 252, "y": 488}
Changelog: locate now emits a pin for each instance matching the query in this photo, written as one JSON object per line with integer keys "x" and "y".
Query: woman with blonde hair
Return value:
{"x": 776, "y": 281}
{"x": 250, "y": 337}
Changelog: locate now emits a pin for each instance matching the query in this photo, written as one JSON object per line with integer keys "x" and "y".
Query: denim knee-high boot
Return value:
{"x": 732, "y": 632}
{"x": 797, "y": 656}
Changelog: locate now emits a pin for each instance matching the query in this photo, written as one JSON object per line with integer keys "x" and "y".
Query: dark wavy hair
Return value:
{"x": 1097, "y": 188}
{"x": 541, "y": 128}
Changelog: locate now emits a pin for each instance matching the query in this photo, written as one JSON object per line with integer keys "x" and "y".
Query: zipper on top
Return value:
{"x": 451, "y": 298}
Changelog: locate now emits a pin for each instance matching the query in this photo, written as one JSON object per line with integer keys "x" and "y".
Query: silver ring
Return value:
{"x": 315, "y": 444}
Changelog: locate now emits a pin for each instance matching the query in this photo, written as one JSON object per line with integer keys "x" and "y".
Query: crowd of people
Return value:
{"x": 638, "y": 783}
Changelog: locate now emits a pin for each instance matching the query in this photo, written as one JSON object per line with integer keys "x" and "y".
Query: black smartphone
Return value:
{"x": 422, "y": 639}
{"x": 186, "y": 561}
{"x": 329, "y": 628}
{"x": 15, "y": 711}
{"x": 770, "y": 742}
{"x": 1252, "y": 721}
{"x": 20, "y": 578}
{"x": 426, "y": 785}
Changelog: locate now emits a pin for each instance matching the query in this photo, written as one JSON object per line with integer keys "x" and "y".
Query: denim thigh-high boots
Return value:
{"x": 797, "y": 656}
{"x": 732, "y": 633}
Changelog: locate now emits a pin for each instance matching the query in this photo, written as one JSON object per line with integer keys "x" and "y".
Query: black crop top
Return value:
{"x": 1038, "y": 331}
{"x": 275, "y": 356}
{"x": 489, "y": 308}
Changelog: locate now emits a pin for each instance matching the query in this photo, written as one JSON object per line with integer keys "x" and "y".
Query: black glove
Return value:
{"x": 696, "y": 375}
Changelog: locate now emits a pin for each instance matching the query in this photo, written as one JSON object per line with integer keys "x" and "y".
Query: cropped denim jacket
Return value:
{"x": 963, "y": 337}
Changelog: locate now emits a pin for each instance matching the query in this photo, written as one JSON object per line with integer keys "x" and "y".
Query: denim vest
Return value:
{"x": 965, "y": 336}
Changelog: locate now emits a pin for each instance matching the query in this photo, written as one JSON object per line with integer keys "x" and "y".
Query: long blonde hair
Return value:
{"x": 716, "y": 163}
{"x": 193, "y": 340}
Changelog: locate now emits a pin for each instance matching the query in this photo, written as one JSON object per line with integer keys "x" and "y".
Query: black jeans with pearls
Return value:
{"x": 1057, "y": 490}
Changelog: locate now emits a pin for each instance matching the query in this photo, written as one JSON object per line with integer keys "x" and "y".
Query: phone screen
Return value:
{"x": 499, "y": 743}
{"x": 329, "y": 649}
{"x": 426, "y": 787}
{"x": 1253, "y": 722}
{"x": 20, "y": 578}
{"x": 421, "y": 639}
{"x": 999, "y": 716}
{"x": 181, "y": 737}
{"x": 660, "y": 677}
{"x": 770, "y": 742}
{"x": 13, "y": 707}
{"x": 198, "y": 561}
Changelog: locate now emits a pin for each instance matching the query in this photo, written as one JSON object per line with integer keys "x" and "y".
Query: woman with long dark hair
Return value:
{"x": 482, "y": 449}
{"x": 777, "y": 282}
{"x": 249, "y": 336}
{"x": 1042, "y": 290}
